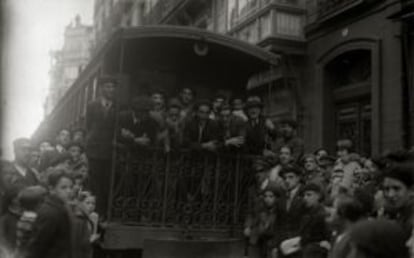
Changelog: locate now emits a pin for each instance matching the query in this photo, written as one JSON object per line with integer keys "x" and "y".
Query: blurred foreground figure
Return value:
{"x": 52, "y": 233}
{"x": 377, "y": 239}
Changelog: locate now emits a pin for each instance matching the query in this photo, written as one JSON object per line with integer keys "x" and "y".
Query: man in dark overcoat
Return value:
{"x": 18, "y": 174}
{"x": 100, "y": 129}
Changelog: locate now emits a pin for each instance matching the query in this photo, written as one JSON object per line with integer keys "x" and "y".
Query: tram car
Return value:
{"x": 159, "y": 200}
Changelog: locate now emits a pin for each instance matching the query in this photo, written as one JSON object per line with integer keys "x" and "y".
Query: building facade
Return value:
{"x": 68, "y": 62}
{"x": 355, "y": 76}
{"x": 346, "y": 66}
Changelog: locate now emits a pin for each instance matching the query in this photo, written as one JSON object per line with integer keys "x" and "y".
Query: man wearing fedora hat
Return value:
{"x": 258, "y": 127}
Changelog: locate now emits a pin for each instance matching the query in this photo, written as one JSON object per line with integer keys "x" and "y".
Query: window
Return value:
{"x": 266, "y": 25}
{"x": 221, "y": 16}
{"x": 289, "y": 24}
{"x": 231, "y": 13}
{"x": 246, "y": 6}
{"x": 250, "y": 33}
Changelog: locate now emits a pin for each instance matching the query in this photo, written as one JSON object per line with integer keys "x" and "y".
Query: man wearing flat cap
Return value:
{"x": 136, "y": 125}
{"x": 287, "y": 137}
{"x": 100, "y": 129}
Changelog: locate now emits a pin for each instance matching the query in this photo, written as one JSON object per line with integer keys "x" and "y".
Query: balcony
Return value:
{"x": 323, "y": 10}
{"x": 329, "y": 7}
{"x": 161, "y": 10}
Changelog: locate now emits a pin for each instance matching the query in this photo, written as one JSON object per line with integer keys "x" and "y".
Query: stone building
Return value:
{"x": 345, "y": 66}
{"x": 68, "y": 62}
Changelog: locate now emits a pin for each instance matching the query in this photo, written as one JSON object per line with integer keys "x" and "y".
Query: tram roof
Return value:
{"x": 168, "y": 32}
{"x": 222, "y": 49}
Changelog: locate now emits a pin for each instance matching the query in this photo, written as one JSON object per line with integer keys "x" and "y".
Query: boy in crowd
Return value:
{"x": 238, "y": 108}
{"x": 174, "y": 126}
{"x": 52, "y": 234}
{"x": 347, "y": 160}
{"x": 397, "y": 183}
{"x": 187, "y": 101}
{"x": 292, "y": 207}
{"x": 314, "y": 230}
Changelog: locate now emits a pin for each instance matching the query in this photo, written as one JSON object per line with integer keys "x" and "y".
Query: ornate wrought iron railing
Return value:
{"x": 180, "y": 189}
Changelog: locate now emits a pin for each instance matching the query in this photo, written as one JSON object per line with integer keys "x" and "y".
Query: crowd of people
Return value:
{"x": 317, "y": 204}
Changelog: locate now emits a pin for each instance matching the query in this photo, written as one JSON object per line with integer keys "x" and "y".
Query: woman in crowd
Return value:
{"x": 52, "y": 236}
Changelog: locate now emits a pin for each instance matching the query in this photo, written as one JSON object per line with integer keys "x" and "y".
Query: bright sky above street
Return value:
{"x": 33, "y": 28}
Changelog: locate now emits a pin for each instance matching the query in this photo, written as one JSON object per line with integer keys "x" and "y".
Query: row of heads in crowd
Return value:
{"x": 157, "y": 100}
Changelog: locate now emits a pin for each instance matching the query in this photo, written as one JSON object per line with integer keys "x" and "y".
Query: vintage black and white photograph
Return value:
{"x": 207, "y": 129}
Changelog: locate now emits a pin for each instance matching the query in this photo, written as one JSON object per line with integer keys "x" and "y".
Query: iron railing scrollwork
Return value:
{"x": 180, "y": 189}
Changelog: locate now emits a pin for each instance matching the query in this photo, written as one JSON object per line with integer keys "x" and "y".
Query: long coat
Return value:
{"x": 257, "y": 136}
{"x": 14, "y": 182}
{"x": 52, "y": 235}
{"x": 313, "y": 230}
{"x": 100, "y": 126}
{"x": 289, "y": 220}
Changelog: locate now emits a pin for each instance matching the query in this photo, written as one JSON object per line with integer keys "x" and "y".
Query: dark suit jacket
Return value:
{"x": 12, "y": 178}
{"x": 52, "y": 235}
{"x": 100, "y": 127}
{"x": 313, "y": 230}
{"x": 146, "y": 126}
{"x": 289, "y": 221}
{"x": 256, "y": 137}
{"x": 235, "y": 128}
{"x": 14, "y": 182}
{"x": 313, "y": 226}
{"x": 191, "y": 134}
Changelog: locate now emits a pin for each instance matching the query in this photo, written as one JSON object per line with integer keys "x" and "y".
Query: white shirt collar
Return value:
{"x": 293, "y": 193}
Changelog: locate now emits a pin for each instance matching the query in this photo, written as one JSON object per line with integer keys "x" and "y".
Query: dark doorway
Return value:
{"x": 348, "y": 103}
